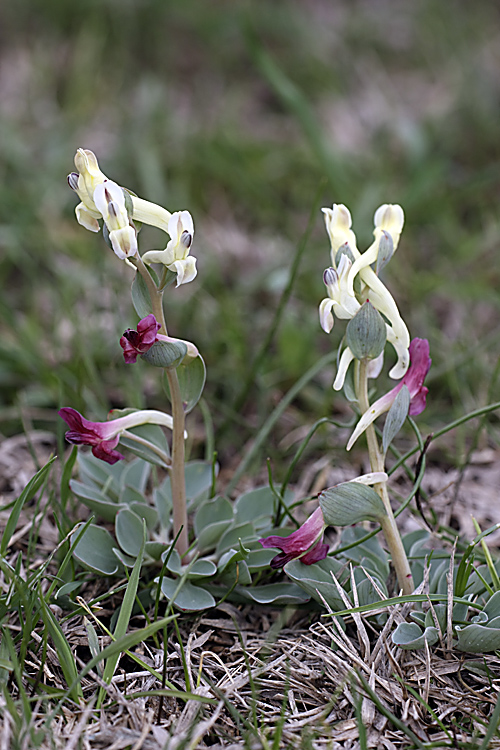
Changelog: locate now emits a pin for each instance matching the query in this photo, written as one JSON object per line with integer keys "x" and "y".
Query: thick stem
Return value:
{"x": 177, "y": 477}
{"x": 388, "y": 523}
{"x": 155, "y": 294}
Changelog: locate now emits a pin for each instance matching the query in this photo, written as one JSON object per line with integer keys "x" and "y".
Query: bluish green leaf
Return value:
{"x": 198, "y": 476}
{"x": 95, "y": 500}
{"x": 276, "y": 593}
{"x": 212, "y": 511}
{"x": 198, "y": 569}
{"x": 153, "y": 434}
{"x": 477, "y": 639}
{"x": 409, "y": 636}
{"x": 210, "y": 535}
{"x": 147, "y": 512}
{"x": 349, "y": 503}
{"x": 192, "y": 375}
{"x": 136, "y": 474}
{"x": 128, "y": 530}
{"x": 95, "y": 550}
{"x": 103, "y": 474}
{"x": 165, "y": 354}
{"x": 190, "y": 598}
{"x": 140, "y": 297}
{"x": 317, "y": 581}
{"x": 396, "y": 417}
{"x": 231, "y": 537}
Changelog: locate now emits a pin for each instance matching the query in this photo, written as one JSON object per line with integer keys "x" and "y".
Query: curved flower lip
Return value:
{"x": 338, "y": 224}
{"x": 104, "y": 436}
{"x": 176, "y": 257}
{"x": 139, "y": 342}
{"x": 101, "y": 436}
{"x": 414, "y": 381}
{"x": 305, "y": 543}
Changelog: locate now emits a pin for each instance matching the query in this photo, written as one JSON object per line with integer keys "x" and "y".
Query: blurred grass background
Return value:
{"x": 251, "y": 115}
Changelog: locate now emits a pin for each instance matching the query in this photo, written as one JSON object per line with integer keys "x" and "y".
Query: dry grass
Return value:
{"x": 274, "y": 677}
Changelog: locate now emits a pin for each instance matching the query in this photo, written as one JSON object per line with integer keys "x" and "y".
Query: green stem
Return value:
{"x": 177, "y": 477}
{"x": 388, "y": 523}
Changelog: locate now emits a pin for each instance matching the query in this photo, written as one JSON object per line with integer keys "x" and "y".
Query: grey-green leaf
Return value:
{"x": 95, "y": 500}
{"x": 409, "y": 636}
{"x": 140, "y": 297}
{"x": 396, "y": 417}
{"x": 190, "y": 598}
{"x": 477, "y": 639}
{"x": 166, "y": 354}
{"x": 350, "y": 502}
{"x": 277, "y": 593}
{"x": 192, "y": 374}
{"x": 128, "y": 529}
{"x": 95, "y": 550}
{"x": 212, "y": 511}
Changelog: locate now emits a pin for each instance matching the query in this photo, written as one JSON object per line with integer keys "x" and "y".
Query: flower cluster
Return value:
{"x": 101, "y": 198}
{"x": 351, "y": 280}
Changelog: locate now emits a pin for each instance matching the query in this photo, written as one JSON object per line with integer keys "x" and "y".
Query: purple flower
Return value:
{"x": 304, "y": 543}
{"x": 140, "y": 341}
{"x": 104, "y": 436}
{"x": 420, "y": 364}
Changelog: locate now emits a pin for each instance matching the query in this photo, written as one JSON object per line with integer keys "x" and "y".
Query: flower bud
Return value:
{"x": 366, "y": 333}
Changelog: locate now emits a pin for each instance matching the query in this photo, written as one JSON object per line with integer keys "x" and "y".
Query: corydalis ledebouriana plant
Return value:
{"x": 102, "y": 198}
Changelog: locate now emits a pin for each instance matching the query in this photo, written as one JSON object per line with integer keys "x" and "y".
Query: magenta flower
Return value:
{"x": 104, "y": 436}
{"x": 304, "y": 543}
{"x": 420, "y": 364}
{"x": 138, "y": 342}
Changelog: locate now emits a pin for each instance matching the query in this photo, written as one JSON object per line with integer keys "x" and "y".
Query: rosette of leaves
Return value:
{"x": 118, "y": 493}
{"x": 227, "y": 558}
{"x": 475, "y": 618}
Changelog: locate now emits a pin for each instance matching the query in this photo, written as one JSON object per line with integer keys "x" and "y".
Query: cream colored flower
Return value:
{"x": 176, "y": 255}
{"x": 84, "y": 183}
{"x": 109, "y": 200}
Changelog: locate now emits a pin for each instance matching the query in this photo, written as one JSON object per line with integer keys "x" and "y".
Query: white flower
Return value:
{"x": 176, "y": 255}
{"x": 340, "y": 300}
{"x": 338, "y": 225}
{"x": 110, "y": 202}
{"x": 84, "y": 183}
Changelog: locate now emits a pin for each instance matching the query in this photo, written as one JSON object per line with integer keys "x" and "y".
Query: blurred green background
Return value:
{"x": 251, "y": 115}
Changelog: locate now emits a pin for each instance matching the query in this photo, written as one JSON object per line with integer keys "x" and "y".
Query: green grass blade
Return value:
{"x": 27, "y": 494}
{"x": 492, "y": 726}
{"x": 65, "y": 656}
{"x": 123, "y": 644}
{"x": 124, "y": 616}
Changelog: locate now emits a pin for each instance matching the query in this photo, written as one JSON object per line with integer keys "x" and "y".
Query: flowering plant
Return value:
{"x": 231, "y": 540}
